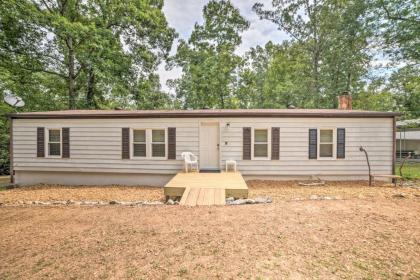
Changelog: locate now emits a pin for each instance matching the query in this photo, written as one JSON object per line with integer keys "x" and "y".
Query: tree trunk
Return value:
{"x": 316, "y": 52}
{"x": 71, "y": 77}
{"x": 348, "y": 81}
{"x": 222, "y": 100}
{"x": 90, "y": 102}
{"x": 316, "y": 58}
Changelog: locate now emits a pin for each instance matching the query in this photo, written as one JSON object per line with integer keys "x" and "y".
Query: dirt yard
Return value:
{"x": 279, "y": 191}
{"x": 368, "y": 235}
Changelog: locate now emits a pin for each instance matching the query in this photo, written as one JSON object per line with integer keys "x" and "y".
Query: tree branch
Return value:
{"x": 44, "y": 71}
{"x": 46, "y": 6}
{"x": 391, "y": 17}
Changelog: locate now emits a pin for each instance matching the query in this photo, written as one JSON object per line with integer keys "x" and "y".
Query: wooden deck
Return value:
{"x": 206, "y": 188}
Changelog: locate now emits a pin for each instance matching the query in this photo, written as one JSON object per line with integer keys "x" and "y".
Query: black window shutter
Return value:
{"x": 171, "y": 142}
{"x": 246, "y": 148}
{"x": 66, "y": 142}
{"x": 126, "y": 143}
{"x": 275, "y": 143}
{"x": 341, "y": 142}
{"x": 40, "y": 142}
{"x": 313, "y": 143}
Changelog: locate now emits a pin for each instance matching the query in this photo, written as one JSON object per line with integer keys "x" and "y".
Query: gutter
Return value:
{"x": 187, "y": 114}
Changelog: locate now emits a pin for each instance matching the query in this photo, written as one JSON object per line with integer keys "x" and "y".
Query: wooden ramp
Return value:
{"x": 206, "y": 188}
{"x": 203, "y": 196}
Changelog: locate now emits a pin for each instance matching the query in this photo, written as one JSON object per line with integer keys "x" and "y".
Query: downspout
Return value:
{"x": 394, "y": 144}
{"x": 11, "y": 171}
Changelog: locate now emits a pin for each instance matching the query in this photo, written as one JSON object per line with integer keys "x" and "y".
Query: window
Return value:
{"x": 54, "y": 142}
{"x": 158, "y": 143}
{"x": 148, "y": 143}
{"x": 139, "y": 143}
{"x": 326, "y": 143}
{"x": 260, "y": 143}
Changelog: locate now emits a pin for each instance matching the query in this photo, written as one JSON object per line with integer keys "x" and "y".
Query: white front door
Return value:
{"x": 209, "y": 146}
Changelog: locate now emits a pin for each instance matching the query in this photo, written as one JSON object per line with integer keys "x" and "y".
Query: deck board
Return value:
{"x": 184, "y": 198}
{"x": 200, "y": 198}
{"x": 203, "y": 196}
{"x": 192, "y": 197}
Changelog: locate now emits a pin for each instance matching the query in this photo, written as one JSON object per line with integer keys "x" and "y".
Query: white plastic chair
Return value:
{"x": 191, "y": 160}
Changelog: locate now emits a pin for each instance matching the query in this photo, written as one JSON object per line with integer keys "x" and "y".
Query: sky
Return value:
{"x": 183, "y": 14}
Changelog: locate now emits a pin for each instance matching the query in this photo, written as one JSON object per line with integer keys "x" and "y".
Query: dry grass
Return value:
{"x": 289, "y": 190}
{"x": 368, "y": 236}
{"x": 96, "y": 193}
{"x": 293, "y": 240}
{"x": 278, "y": 190}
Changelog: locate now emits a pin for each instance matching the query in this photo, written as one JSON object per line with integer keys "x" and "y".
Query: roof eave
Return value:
{"x": 205, "y": 115}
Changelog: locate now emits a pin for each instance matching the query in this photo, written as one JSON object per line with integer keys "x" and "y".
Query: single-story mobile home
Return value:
{"x": 144, "y": 147}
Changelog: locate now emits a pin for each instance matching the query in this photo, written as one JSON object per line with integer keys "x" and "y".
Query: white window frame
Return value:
{"x": 334, "y": 143}
{"x": 47, "y": 142}
{"x": 132, "y": 142}
{"x": 166, "y": 143}
{"x": 148, "y": 143}
{"x": 253, "y": 157}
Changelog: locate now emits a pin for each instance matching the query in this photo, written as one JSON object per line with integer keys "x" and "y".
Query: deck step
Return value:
{"x": 203, "y": 196}
{"x": 192, "y": 197}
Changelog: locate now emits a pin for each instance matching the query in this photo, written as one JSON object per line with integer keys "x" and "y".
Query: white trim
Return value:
{"x": 47, "y": 142}
{"x": 148, "y": 131}
{"x": 132, "y": 156}
{"x": 334, "y": 143}
{"x": 165, "y": 143}
{"x": 268, "y": 142}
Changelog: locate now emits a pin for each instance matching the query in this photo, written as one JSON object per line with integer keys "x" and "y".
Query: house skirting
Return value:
{"x": 134, "y": 179}
{"x": 306, "y": 177}
{"x": 90, "y": 178}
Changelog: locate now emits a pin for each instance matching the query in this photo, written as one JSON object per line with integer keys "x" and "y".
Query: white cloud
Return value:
{"x": 182, "y": 15}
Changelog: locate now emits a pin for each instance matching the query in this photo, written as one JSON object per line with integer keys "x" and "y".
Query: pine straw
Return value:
{"x": 289, "y": 190}
{"x": 278, "y": 190}
{"x": 79, "y": 193}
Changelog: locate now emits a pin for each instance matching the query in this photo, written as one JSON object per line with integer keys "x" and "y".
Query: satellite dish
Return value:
{"x": 13, "y": 100}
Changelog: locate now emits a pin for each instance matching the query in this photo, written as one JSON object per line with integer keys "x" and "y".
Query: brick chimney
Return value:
{"x": 344, "y": 101}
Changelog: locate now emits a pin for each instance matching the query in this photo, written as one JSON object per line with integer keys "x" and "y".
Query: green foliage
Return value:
{"x": 96, "y": 51}
{"x": 374, "y": 101}
{"x": 268, "y": 78}
{"x": 397, "y": 26}
{"x": 405, "y": 86}
{"x": 410, "y": 171}
{"x": 208, "y": 60}
{"x": 332, "y": 38}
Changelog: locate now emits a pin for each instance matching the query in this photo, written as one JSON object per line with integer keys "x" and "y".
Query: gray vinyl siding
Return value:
{"x": 95, "y": 145}
{"x": 373, "y": 134}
